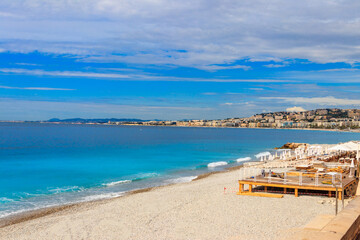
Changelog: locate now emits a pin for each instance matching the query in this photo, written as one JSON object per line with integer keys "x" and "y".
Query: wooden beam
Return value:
{"x": 241, "y": 187}
{"x": 250, "y": 188}
{"x": 279, "y": 185}
{"x": 296, "y": 192}
{"x": 258, "y": 194}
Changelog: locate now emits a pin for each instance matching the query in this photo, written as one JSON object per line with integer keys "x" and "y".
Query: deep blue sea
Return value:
{"x": 44, "y": 165}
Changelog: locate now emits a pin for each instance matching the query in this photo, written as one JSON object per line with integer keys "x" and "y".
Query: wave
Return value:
{"x": 66, "y": 189}
{"x": 37, "y": 206}
{"x": 243, "y": 159}
{"x": 201, "y": 166}
{"x": 262, "y": 154}
{"x": 5, "y": 199}
{"x": 181, "y": 179}
{"x": 217, "y": 164}
{"x": 102, "y": 196}
{"x": 116, "y": 183}
{"x": 145, "y": 176}
{"x": 138, "y": 178}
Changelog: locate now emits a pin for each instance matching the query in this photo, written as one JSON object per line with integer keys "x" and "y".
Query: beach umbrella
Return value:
{"x": 349, "y": 146}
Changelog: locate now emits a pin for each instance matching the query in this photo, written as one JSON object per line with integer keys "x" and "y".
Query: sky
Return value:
{"x": 173, "y": 60}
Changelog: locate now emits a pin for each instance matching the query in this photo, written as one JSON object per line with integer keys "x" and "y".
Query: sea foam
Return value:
{"x": 116, "y": 183}
{"x": 66, "y": 189}
{"x": 181, "y": 179}
{"x": 243, "y": 159}
{"x": 217, "y": 164}
{"x": 262, "y": 154}
{"x": 5, "y": 199}
{"x": 102, "y": 196}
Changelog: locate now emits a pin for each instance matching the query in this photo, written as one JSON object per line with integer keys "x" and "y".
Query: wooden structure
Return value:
{"x": 259, "y": 194}
{"x": 347, "y": 186}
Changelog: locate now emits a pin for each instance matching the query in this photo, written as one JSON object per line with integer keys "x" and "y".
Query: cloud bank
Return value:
{"x": 184, "y": 33}
{"x": 295, "y": 109}
{"x": 330, "y": 101}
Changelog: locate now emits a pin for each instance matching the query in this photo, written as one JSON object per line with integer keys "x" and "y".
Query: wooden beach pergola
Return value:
{"x": 299, "y": 181}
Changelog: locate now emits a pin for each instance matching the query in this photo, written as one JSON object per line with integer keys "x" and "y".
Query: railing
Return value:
{"x": 291, "y": 177}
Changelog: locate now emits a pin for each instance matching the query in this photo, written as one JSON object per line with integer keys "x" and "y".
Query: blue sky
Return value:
{"x": 155, "y": 59}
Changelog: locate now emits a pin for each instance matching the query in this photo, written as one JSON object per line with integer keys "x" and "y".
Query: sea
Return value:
{"x": 44, "y": 165}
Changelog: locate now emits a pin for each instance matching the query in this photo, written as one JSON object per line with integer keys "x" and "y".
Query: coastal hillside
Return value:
{"x": 320, "y": 118}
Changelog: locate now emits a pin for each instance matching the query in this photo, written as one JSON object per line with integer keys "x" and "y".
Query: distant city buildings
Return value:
{"x": 320, "y": 118}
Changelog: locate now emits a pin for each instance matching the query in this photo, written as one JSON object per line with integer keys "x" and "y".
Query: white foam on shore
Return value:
{"x": 66, "y": 189}
{"x": 9, "y": 213}
{"x": 181, "y": 179}
{"x": 5, "y": 199}
{"x": 102, "y": 196}
{"x": 84, "y": 199}
{"x": 262, "y": 154}
{"x": 243, "y": 159}
{"x": 217, "y": 164}
{"x": 116, "y": 183}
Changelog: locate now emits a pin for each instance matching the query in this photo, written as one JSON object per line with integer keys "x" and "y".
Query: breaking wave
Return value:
{"x": 217, "y": 164}
{"x": 243, "y": 159}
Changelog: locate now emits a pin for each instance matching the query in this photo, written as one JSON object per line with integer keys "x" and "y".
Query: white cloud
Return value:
{"x": 213, "y": 68}
{"x": 330, "y": 101}
{"x": 40, "y": 72}
{"x": 28, "y": 64}
{"x": 295, "y": 109}
{"x": 37, "y": 88}
{"x": 339, "y": 70}
{"x": 127, "y": 77}
{"x": 257, "y": 89}
{"x": 206, "y": 32}
{"x": 275, "y": 65}
{"x": 9, "y": 15}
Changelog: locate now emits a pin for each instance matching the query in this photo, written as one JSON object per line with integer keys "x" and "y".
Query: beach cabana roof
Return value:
{"x": 349, "y": 146}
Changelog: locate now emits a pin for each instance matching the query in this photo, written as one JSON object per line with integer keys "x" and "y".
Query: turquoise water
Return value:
{"x": 47, "y": 164}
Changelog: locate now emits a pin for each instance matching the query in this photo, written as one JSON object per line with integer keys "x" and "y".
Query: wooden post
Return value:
{"x": 265, "y": 188}
{"x": 340, "y": 195}
{"x": 284, "y": 190}
{"x": 250, "y": 188}
{"x": 329, "y": 193}
{"x": 241, "y": 187}
{"x": 296, "y": 192}
{"x": 336, "y": 200}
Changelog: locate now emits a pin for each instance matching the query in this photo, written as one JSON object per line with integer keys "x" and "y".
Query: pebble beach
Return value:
{"x": 207, "y": 208}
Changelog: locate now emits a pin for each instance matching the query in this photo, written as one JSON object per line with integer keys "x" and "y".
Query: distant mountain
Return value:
{"x": 96, "y": 120}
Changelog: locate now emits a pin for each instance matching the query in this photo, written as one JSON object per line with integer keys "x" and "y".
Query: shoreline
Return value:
{"x": 265, "y": 128}
{"x": 45, "y": 211}
{"x": 168, "y": 212}
{"x": 138, "y": 125}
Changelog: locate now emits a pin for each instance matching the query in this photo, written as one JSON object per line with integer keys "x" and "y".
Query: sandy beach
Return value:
{"x": 196, "y": 210}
